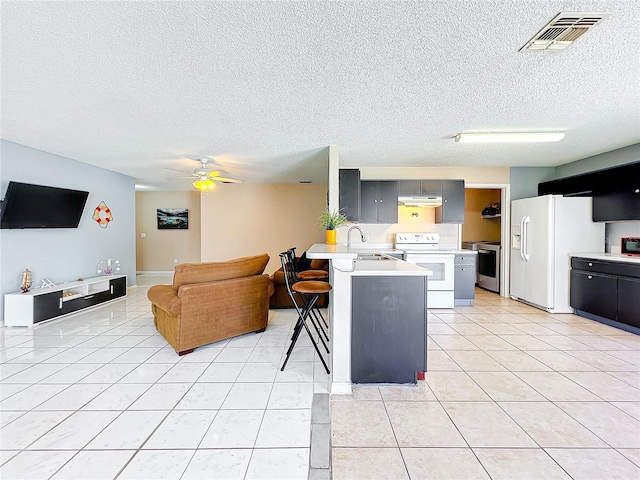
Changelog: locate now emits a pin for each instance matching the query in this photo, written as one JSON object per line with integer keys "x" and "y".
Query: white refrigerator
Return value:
{"x": 544, "y": 231}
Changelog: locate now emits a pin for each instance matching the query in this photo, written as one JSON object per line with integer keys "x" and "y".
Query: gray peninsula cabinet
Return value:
{"x": 388, "y": 328}
{"x": 379, "y": 201}
{"x": 464, "y": 287}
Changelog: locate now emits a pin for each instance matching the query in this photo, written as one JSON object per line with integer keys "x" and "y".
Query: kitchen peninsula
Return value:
{"x": 378, "y": 315}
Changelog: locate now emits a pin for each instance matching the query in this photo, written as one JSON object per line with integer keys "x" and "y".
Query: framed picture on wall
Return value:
{"x": 173, "y": 218}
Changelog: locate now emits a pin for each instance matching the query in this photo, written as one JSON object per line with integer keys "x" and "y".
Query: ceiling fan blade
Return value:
{"x": 179, "y": 171}
{"x": 179, "y": 178}
{"x": 226, "y": 180}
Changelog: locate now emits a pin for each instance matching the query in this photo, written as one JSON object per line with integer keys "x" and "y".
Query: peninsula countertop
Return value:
{"x": 346, "y": 260}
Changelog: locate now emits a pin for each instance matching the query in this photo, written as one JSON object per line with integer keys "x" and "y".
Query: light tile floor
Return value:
{"x": 511, "y": 393}
{"x": 101, "y": 395}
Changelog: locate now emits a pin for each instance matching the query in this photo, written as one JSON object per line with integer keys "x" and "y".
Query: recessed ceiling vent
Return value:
{"x": 562, "y": 31}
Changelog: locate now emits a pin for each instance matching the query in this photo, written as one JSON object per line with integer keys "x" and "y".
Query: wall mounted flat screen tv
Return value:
{"x": 37, "y": 206}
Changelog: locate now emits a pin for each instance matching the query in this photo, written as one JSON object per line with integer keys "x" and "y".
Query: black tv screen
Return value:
{"x": 37, "y": 206}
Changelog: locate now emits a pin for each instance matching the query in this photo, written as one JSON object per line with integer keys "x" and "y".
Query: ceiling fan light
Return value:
{"x": 204, "y": 183}
{"x": 509, "y": 137}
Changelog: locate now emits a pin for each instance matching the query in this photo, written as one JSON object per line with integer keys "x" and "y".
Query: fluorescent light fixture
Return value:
{"x": 509, "y": 137}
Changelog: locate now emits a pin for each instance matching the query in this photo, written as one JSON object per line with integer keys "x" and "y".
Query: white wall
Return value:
{"x": 65, "y": 254}
{"x": 243, "y": 220}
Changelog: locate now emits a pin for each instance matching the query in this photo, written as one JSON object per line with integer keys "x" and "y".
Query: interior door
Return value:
{"x": 518, "y": 282}
{"x": 539, "y": 250}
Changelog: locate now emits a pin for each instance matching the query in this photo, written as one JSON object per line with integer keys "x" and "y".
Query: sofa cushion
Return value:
{"x": 188, "y": 273}
{"x": 318, "y": 264}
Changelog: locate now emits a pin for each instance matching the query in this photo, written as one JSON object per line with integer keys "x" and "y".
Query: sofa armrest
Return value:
{"x": 277, "y": 277}
{"x": 166, "y": 298}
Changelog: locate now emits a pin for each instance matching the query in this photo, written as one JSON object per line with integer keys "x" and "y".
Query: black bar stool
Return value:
{"x": 309, "y": 275}
{"x": 308, "y": 292}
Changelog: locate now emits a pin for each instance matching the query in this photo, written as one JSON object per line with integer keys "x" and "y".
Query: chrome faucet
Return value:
{"x": 362, "y": 237}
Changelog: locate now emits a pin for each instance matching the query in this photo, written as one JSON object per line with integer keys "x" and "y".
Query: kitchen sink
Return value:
{"x": 373, "y": 256}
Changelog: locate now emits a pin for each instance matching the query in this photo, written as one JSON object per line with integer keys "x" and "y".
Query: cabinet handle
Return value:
{"x": 590, "y": 264}
{"x": 589, "y": 277}
{"x": 88, "y": 297}
{"x": 446, "y": 201}
{"x": 60, "y": 303}
{"x": 111, "y": 289}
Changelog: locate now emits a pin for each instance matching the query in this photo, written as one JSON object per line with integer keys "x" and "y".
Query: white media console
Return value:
{"x": 40, "y": 304}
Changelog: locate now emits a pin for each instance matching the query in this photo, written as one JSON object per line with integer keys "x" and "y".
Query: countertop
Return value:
{"x": 340, "y": 250}
{"x": 346, "y": 261}
{"x": 612, "y": 257}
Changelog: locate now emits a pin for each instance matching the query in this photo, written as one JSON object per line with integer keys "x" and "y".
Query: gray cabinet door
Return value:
{"x": 349, "y": 194}
{"x": 409, "y": 187}
{"x": 452, "y": 210}
{"x": 464, "y": 284}
{"x": 379, "y": 201}
{"x": 388, "y": 202}
{"x": 369, "y": 202}
{"x": 629, "y": 301}
{"x": 388, "y": 329}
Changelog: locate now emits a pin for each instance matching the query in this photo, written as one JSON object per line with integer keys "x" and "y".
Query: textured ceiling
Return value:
{"x": 264, "y": 87}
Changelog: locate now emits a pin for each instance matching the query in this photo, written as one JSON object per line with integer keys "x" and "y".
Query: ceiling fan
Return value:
{"x": 206, "y": 177}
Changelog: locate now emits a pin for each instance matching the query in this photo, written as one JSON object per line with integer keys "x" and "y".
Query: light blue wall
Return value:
{"x": 613, "y": 158}
{"x": 65, "y": 254}
{"x": 524, "y": 180}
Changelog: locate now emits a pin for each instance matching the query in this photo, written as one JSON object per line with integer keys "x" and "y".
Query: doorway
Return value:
{"x": 487, "y": 221}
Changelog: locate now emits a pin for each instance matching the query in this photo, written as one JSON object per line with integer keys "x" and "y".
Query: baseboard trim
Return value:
{"x": 154, "y": 272}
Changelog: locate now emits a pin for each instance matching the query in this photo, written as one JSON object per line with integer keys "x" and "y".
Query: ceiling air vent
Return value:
{"x": 563, "y": 30}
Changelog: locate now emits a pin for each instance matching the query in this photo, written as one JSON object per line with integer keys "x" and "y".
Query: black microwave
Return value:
{"x": 630, "y": 246}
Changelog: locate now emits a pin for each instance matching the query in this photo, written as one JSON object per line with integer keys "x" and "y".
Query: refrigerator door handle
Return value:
{"x": 525, "y": 237}
{"x": 522, "y": 238}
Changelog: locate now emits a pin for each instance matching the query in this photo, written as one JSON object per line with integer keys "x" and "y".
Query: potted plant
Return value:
{"x": 330, "y": 221}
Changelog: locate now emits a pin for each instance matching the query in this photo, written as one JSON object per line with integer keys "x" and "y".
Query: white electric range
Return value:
{"x": 422, "y": 249}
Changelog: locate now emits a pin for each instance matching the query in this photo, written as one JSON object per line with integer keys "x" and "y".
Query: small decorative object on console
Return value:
{"x": 108, "y": 266}
{"x": 47, "y": 283}
{"x": 26, "y": 281}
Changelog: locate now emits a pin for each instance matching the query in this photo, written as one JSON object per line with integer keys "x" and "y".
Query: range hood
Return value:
{"x": 420, "y": 201}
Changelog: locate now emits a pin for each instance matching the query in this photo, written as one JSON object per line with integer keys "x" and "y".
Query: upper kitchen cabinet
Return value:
{"x": 349, "y": 194}
{"x": 379, "y": 202}
{"x": 431, "y": 187}
{"x": 409, "y": 187}
{"x": 615, "y": 191}
{"x": 420, "y": 188}
{"x": 452, "y": 209}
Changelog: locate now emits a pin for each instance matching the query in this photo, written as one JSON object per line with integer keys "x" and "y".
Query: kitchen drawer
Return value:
{"x": 621, "y": 269}
{"x": 465, "y": 260}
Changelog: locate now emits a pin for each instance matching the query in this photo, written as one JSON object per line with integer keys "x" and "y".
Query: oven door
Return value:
{"x": 442, "y": 266}
{"x": 489, "y": 269}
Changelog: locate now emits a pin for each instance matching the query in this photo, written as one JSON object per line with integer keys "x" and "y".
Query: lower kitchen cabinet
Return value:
{"x": 608, "y": 290}
{"x": 629, "y": 301}
{"x": 388, "y": 328}
{"x": 38, "y": 305}
{"x": 594, "y": 293}
{"x": 464, "y": 292}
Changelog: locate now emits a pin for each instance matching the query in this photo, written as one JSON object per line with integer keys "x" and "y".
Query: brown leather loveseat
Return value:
{"x": 281, "y": 298}
{"x": 212, "y": 301}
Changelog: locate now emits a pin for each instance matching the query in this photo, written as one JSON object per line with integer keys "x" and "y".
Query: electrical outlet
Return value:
{"x": 175, "y": 260}
{"x": 143, "y": 235}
